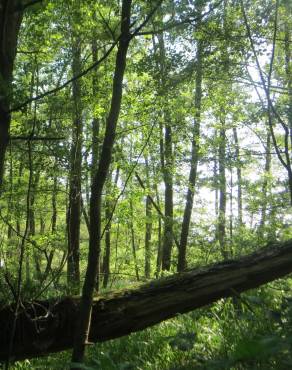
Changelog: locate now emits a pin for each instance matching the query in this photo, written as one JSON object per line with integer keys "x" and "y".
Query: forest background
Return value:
{"x": 138, "y": 139}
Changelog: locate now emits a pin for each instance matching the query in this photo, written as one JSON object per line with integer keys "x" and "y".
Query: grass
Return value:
{"x": 256, "y": 334}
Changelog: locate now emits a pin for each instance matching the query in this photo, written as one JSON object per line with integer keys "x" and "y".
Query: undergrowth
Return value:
{"x": 253, "y": 331}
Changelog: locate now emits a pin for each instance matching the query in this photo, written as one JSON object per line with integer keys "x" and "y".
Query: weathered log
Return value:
{"x": 47, "y": 326}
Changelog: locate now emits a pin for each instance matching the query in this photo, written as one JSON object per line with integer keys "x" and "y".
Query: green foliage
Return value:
{"x": 254, "y": 332}
{"x": 159, "y": 90}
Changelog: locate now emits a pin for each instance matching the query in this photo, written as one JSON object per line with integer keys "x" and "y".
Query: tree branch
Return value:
{"x": 87, "y": 70}
{"x": 30, "y": 3}
{"x": 186, "y": 20}
{"x": 68, "y": 82}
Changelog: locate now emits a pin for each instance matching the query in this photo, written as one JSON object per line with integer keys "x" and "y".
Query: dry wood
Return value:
{"x": 48, "y": 326}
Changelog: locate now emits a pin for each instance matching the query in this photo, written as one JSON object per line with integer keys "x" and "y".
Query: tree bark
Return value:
{"x": 222, "y": 189}
{"x": 148, "y": 225}
{"x": 95, "y": 120}
{"x": 288, "y": 72}
{"x": 266, "y": 185}
{"x": 54, "y": 205}
{"x": 74, "y": 209}
{"x": 133, "y": 241}
{"x": 166, "y": 155}
{"x": 182, "y": 262}
{"x": 222, "y": 144}
{"x": 10, "y": 20}
{"x": 159, "y": 242}
{"x": 32, "y": 226}
{"x": 107, "y": 252}
{"x": 54, "y": 217}
{"x": 84, "y": 317}
{"x": 48, "y": 326}
{"x": 239, "y": 177}
{"x": 231, "y": 206}
{"x": 108, "y": 217}
{"x": 168, "y": 199}
{"x": 215, "y": 175}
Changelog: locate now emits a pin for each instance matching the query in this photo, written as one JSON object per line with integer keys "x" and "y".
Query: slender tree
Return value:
{"x": 266, "y": 183}
{"x": 148, "y": 225}
{"x": 166, "y": 148}
{"x": 74, "y": 207}
{"x": 106, "y": 270}
{"x": 182, "y": 262}
{"x": 239, "y": 177}
{"x": 222, "y": 186}
{"x": 82, "y": 329}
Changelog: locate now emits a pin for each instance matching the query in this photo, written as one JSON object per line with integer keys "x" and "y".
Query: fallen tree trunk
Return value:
{"x": 48, "y": 326}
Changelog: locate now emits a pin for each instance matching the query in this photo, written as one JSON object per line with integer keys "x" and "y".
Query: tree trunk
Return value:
{"x": 50, "y": 257}
{"x": 10, "y": 198}
{"x": 95, "y": 121}
{"x": 166, "y": 159}
{"x": 222, "y": 190}
{"x": 106, "y": 258}
{"x": 222, "y": 143}
{"x": 95, "y": 129}
{"x": 239, "y": 177}
{"x": 182, "y": 262}
{"x": 159, "y": 241}
{"x": 148, "y": 225}
{"x": 215, "y": 175}
{"x": 84, "y": 317}
{"x": 231, "y": 206}
{"x": 265, "y": 186}
{"x": 108, "y": 217}
{"x": 121, "y": 313}
{"x": 32, "y": 228}
{"x": 148, "y": 229}
{"x": 54, "y": 205}
{"x": 168, "y": 200}
{"x": 133, "y": 242}
{"x": 10, "y": 20}
{"x": 288, "y": 71}
{"x": 74, "y": 209}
